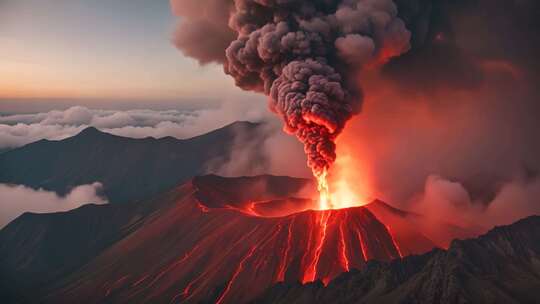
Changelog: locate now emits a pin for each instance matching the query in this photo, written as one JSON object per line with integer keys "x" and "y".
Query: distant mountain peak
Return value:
{"x": 90, "y": 131}
{"x": 91, "y": 155}
{"x": 93, "y": 133}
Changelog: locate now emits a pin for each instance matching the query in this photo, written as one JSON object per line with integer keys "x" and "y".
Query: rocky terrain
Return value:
{"x": 203, "y": 241}
{"x": 502, "y": 266}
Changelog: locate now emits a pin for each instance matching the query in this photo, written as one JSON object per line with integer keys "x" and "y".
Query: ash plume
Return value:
{"x": 462, "y": 106}
{"x": 304, "y": 55}
{"x": 456, "y": 98}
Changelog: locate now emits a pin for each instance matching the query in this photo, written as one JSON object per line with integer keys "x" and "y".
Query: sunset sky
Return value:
{"x": 100, "y": 50}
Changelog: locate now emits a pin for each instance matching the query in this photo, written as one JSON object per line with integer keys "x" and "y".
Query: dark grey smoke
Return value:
{"x": 463, "y": 106}
{"x": 303, "y": 54}
{"x": 485, "y": 52}
{"x": 203, "y": 33}
{"x": 472, "y": 63}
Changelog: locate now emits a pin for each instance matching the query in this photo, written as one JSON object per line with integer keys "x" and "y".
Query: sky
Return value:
{"x": 99, "y": 53}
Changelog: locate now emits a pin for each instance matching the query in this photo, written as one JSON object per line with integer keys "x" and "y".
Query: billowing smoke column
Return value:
{"x": 303, "y": 54}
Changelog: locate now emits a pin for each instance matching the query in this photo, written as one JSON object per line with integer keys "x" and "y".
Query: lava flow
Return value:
{"x": 327, "y": 233}
{"x": 214, "y": 236}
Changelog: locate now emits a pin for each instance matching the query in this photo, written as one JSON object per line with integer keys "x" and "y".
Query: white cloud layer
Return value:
{"x": 20, "y": 129}
{"x": 16, "y": 200}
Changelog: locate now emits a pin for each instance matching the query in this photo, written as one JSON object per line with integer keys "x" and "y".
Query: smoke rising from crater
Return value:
{"x": 461, "y": 103}
{"x": 304, "y": 55}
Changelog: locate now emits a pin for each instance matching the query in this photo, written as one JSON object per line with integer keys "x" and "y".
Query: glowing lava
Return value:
{"x": 213, "y": 240}
{"x": 342, "y": 195}
{"x": 324, "y": 193}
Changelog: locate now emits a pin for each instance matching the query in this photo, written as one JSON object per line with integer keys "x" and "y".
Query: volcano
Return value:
{"x": 212, "y": 239}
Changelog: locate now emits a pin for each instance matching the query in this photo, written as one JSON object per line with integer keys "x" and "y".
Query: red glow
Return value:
{"x": 203, "y": 207}
{"x": 188, "y": 292}
{"x": 180, "y": 261}
{"x": 304, "y": 246}
{"x": 140, "y": 281}
{"x": 202, "y": 245}
{"x": 337, "y": 192}
{"x": 283, "y": 265}
{"x": 394, "y": 241}
{"x": 235, "y": 275}
{"x": 322, "y": 223}
{"x": 362, "y": 245}
{"x": 328, "y": 236}
{"x": 324, "y": 196}
{"x": 343, "y": 244}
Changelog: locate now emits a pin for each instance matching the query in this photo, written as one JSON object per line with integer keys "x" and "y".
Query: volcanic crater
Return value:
{"x": 219, "y": 240}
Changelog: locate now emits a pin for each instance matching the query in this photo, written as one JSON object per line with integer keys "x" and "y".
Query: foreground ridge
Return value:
{"x": 501, "y": 266}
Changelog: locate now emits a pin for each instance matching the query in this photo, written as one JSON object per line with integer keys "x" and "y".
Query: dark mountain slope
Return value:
{"x": 503, "y": 266}
{"x": 411, "y": 228}
{"x": 201, "y": 241}
{"x": 213, "y": 238}
{"x": 37, "y": 249}
{"x": 130, "y": 169}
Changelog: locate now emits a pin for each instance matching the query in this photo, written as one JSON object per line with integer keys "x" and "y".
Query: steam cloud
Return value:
{"x": 303, "y": 54}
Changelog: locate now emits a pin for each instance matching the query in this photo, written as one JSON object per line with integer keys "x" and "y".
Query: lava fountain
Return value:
{"x": 305, "y": 55}
{"x": 324, "y": 192}
{"x": 347, "y": 187}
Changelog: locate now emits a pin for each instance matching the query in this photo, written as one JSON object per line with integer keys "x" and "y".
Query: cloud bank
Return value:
{"x": 269, "y": 151}
{"x": 20, "y": 129}
{"x": 16, "y": 200}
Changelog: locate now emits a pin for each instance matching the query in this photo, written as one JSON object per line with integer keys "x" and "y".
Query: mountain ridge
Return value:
{"x": 129, "y": 169}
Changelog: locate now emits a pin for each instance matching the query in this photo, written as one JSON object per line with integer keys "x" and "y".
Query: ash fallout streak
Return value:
{"x": 304, "y": 55}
